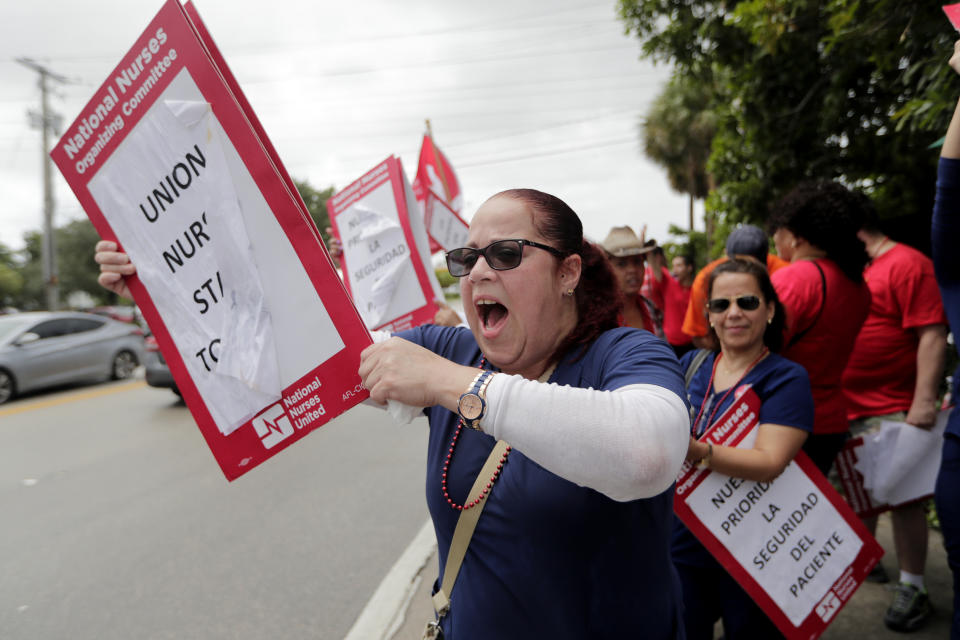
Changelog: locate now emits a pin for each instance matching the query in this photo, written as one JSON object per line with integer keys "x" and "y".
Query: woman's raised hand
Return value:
{"x": 114, "y": 265}
{"x": 399, "y": 370}
{"x": 334, "y": 248}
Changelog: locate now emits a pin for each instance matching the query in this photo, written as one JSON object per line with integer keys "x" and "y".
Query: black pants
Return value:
{"x": 711, "y": 594}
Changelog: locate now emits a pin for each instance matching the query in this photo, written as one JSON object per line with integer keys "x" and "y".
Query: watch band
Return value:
{"x": 482, "y": 392}
{"x": 475, "y": 395}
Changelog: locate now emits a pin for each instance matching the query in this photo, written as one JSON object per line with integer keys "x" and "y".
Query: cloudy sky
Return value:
{"x": 542, "y": 94}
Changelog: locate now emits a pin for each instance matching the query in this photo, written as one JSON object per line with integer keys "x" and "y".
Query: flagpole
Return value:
{"x": 439, "y": 163}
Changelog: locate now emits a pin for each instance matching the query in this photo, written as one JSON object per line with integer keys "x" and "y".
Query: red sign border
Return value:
{"x": 241, "y": 450}
{"x": 870, "y": 553}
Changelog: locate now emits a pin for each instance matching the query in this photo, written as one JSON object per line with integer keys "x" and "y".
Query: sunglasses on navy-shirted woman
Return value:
{"x": 747, "y": 303}
{"x": 501, "y": 255}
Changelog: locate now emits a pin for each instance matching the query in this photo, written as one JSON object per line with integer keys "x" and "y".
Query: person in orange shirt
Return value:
{"x": 747, "y": 242}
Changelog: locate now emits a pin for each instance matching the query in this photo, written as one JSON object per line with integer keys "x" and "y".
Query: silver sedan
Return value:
{"x": 44, "y": 349}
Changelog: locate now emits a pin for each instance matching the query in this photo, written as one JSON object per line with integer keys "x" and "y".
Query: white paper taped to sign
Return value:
{"x": 382, "y": 278}
{"x": 172, "y": 192}
{"x": 445, "y": 227}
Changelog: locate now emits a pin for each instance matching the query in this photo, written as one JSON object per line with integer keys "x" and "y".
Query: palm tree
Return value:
{"x": 677, "y": 133}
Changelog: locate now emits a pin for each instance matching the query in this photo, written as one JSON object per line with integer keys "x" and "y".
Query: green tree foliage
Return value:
{"x": 76, "y": 270}
{"x": 316, "y": 202}
{"x": 693, "y": 244}
{"x": 837, "y": 89}
{"x": 11, "y": 281}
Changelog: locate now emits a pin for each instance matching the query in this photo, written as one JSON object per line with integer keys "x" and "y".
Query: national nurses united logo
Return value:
{"x": 828, "y": 606}
{"x": 273, "y": 426}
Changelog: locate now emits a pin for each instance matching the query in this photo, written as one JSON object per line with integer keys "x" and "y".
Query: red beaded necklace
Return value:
{"x": 446, "y": 466}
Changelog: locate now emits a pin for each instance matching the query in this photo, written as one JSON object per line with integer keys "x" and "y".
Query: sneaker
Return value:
{"x": 878, "y": 575}
{"x": 910, "y": 608}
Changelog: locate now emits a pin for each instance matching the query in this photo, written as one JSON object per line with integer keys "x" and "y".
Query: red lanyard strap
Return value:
{"x": 706, "y": 394}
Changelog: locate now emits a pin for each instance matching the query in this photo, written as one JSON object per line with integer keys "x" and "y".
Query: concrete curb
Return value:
{"x": 386, "y": 610}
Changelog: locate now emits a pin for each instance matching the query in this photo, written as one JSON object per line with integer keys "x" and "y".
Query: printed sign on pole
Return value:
{"x": 791, "y": 543}
{"x": 386, "y": 259}
{"x": 447, "y": 230}
{"x": 258, "y": 331}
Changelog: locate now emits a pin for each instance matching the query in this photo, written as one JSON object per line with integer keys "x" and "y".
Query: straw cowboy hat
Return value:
{"x": 622, "y": 241}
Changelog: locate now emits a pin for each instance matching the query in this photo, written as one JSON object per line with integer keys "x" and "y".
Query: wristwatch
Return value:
{"x": 473, "y": 404}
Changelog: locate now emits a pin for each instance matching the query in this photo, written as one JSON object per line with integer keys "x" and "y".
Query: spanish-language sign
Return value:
{"x": 791, "y": 543}
{"x": 896, "y": 465}
{"x": 259, "y": 333}
{"x": 447, "y": 230}
{"x": 953, "y": 14}
{"x": 385, "y": 252}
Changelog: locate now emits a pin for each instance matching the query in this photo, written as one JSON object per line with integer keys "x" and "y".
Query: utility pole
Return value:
{"x": 47, "y": 122}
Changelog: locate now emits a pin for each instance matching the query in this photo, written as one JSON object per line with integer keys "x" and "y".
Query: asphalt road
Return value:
{"x": 116, "y": 522}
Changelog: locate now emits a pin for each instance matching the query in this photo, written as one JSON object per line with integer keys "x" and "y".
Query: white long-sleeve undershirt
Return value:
{"x": 627, "y": 444}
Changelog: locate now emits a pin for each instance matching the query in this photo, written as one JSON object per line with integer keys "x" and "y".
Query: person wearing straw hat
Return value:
{"x": 627, "y": 254}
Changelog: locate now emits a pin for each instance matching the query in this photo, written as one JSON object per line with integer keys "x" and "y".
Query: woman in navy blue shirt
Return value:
{"x": 747, "y": 317}
{"x": 574, "y": 538}
{"x": 946, "y": 262}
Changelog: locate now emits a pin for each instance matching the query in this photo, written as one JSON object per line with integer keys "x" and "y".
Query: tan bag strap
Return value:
{"x": 464, "y": 530}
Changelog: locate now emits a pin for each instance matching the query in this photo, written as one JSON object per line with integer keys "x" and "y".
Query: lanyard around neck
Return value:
{"x": 716, "y": 407}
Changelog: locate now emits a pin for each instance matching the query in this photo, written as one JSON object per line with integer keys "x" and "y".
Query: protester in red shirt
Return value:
{"x": 671, "y": 293}
{"x": 894, "y": 373}
{"x": 626, "y": 253}
{"x": 815, "y": 227}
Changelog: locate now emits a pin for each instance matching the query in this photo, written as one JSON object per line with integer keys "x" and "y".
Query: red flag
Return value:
{"x": 434, "y": 173}
{"x": 953, "y": 14}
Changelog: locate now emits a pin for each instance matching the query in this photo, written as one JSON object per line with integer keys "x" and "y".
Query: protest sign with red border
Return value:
{"x": 385, "y": 256}
{"x": 446, "y": 228}
{"x": 221, "y": 224}
{"x": 792, "y": 543}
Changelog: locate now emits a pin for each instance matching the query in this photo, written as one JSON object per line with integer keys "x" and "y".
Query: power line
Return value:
{"x": 542, "y": 154}
{"x": 540, "y": 23}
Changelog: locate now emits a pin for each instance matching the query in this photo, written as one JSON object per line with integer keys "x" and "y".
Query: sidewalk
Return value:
{"x": 862, "y": 617}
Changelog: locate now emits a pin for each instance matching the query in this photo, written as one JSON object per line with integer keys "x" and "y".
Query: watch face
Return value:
{"x": 470, "y": 406}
